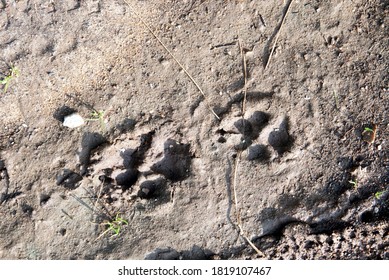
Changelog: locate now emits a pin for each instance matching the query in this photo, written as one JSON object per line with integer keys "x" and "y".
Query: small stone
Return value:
{"x": 74, "y": 120}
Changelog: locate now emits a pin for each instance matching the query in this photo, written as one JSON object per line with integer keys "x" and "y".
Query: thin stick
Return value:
{"x": 234, "y": 189}
{"x": 237, "y": 211}
{"x": 98, "y": 196}
{"x": 243, "y": 55}
{"x": 172, "y": 55}
{"x": 278, "y": 33}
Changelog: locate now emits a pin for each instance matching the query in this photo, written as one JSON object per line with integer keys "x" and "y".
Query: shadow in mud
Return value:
{"x": 328, "y": 206}
{"x": 238, "y": 98}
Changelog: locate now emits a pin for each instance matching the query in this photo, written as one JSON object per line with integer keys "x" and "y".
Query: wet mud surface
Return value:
{"x": 286, "y": 145}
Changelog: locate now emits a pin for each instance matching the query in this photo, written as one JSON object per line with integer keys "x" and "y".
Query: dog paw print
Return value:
{"x": 249, "y": 131}
{"x": 133, "y": 169}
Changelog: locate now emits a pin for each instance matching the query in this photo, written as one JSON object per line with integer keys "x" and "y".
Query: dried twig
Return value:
{"x": 173, "y": 56}
{"x": 244, "y": 63}
{"x": 278, "y": 33}
{"x": 237, "y": 210}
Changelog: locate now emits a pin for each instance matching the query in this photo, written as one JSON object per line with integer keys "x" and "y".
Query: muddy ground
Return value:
{"x": 280, "y": 153}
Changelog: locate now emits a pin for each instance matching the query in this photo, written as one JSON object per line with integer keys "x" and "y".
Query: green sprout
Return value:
{"x": 369, "y": 133}
{"x": 114, "y": 226}
{"x": 97, "y": 116}
{"x": 13, "y": 73}
{"x": 379, "y": 194}
{"x": 354, "y": 183}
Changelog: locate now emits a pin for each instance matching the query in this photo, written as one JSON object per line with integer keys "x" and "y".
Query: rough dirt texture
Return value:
{"x": 293, "y": 168}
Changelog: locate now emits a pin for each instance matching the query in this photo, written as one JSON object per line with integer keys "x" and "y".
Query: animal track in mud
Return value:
{"x": 118, "y": 178}
{"x": 132, "y": 158}
{"x": 250, "y": 129}
{"x": 174, "y": 166}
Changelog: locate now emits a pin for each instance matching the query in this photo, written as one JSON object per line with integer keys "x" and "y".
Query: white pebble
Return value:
{"x": 74, "y": 120}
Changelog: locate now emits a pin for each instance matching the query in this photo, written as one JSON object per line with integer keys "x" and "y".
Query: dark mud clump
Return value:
{"x": 280, "y": 139}
{"x": 62, "y": 112}
{"x": 258, "y": 153}
{"x": 336, "y": 186}
{"x": 258, "y": 121}
{"x": 89, "y": 142}
{"x": 176, "y": 163}
{"x": 347, "y": 163}
{"x": 151, "y": 188}
{"x": 132, "y": 158}
{"x": 244, "y": 127}
{"x": 27, "y": 209}
{"x": 127, "y": 179}
{"x": 251, "y": 127}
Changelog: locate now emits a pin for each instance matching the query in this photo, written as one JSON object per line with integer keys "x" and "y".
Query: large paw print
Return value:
{"x": 249, "y": 129}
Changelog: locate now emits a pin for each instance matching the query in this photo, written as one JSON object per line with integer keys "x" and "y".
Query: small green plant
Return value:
{"x": 379, "y": 194}
{"x": 369, "y": 133}
{"x": 13, "y": 73}
{"x": 114, "y": 226}
{"x": 97, "y": 116}
{"x": 354, "y": 183}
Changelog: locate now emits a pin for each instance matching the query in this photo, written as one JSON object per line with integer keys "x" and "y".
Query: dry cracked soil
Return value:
{"x": 213, "y": 129}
